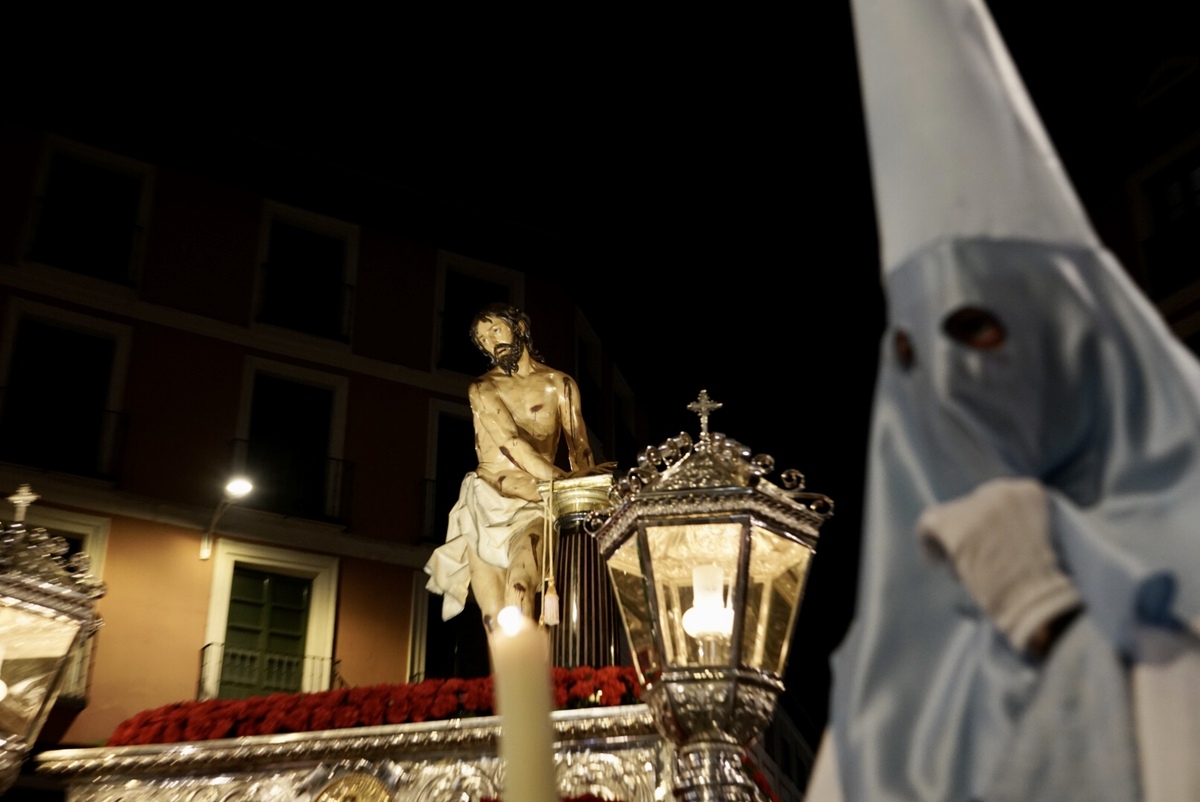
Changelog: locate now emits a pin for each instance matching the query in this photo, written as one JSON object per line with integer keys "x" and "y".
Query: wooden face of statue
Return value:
{"x": 497, "y": 338}
{"x": 491, "y": 332}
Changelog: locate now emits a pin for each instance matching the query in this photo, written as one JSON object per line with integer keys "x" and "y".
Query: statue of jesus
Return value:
{"x": 520, "y": 409}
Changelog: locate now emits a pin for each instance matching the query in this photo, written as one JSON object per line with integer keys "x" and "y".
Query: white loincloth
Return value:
{"x": 485, "y": 521}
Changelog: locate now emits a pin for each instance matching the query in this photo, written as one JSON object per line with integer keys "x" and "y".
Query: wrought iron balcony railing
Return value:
{"x": 227, "y": 672}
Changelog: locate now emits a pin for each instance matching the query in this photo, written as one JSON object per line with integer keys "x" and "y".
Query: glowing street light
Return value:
{"x": 236, "y": 489}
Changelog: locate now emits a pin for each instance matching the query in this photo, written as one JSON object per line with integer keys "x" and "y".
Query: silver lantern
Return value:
{"x": 708, "y": 561}
{"x": 47, "y": 611}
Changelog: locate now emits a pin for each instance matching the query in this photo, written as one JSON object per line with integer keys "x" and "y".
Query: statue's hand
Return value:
{"x": 593, "y": 470}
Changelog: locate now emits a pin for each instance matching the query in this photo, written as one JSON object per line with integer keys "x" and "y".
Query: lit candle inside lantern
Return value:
{"x": 523, "y": 699}
{"x": 709, "y": 616}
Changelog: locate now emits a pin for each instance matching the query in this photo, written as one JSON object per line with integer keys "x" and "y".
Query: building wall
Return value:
{"x": 394, "y": 312}
{"x": 182, "y": 400}
{"x": 156, "y": 612}
{"x": 386, "y": 439}
{"x": 148, "y": 652}
{"x": 201, "y": 248}
{"x": 188, "y": 342}
{"x": 374, "y": 622}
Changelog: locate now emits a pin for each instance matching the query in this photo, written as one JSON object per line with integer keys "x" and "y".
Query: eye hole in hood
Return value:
{"x": 975, "y": 328}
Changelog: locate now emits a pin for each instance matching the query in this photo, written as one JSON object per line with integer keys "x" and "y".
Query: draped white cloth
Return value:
{"x": 483, "y": 520}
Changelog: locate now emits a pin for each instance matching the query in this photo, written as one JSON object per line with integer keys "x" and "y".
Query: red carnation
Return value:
{"x": 321, "y": 719}
{"x": 221, "y": 727}
{"x": 148, "y": 733}
{"x": 398, "y": 707}
{"x": 345, "y": 716}
{"x": 582, "y": 691}
{"x": 421, "y": 708}
{"x": 172, "y": 732}
{"x": 582, "y": 673}
{"x": 357, "y": 696}
{"x": 295, "y": 719}
{"x": 477, "y": 697}
{"x": 121, "y": 733}
{"x": 197, "y": 728}
{"x": 612, "y": 693}
{"x": 444, "y": 705}
{"x": 371, "y": 711}
{"x": 272, "y": 722}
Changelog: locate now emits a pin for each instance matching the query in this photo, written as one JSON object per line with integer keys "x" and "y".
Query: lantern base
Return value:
{"x": 712, "y": 772}
{"x": 712, "y": 715}
{"x": 702, "y": 704}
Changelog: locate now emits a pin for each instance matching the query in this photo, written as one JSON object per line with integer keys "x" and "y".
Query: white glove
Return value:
{"x": 997, "y": 540}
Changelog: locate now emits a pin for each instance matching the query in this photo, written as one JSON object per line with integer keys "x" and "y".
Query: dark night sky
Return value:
{"x": 699, "y": 182}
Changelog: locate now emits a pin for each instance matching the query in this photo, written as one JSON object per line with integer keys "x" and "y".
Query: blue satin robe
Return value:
{"x": 1091, "y": 395}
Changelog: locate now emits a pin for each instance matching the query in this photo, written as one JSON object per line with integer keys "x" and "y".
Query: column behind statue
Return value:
{"x": 587, "y": 634}
{"x": 496, "y": 539}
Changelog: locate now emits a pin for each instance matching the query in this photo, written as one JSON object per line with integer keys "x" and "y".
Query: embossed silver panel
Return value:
{"x": 614, "y": 753}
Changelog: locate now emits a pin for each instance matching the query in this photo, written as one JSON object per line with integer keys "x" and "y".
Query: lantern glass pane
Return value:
{"x": 625, "y": 570}
{"x": 34, "y": 645}
{"x": 695, "y": 569}
{"x": 778, "y": 570}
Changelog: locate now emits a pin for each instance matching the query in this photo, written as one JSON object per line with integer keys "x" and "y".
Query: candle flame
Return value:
{"x": 511, "y": 620}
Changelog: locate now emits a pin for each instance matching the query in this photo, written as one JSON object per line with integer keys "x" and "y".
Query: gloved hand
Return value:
{"x": 997, "y": 541}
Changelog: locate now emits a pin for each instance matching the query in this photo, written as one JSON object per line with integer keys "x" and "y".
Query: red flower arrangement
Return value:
{"x": 431, "y": 700}
{"x": 344, "y": 708}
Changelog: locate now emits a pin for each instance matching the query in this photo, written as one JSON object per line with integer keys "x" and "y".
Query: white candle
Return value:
{"x": 523, "y": 698}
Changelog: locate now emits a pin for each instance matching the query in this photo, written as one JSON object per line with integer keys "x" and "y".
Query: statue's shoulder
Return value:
{"x": 558, "y": 378}
{"x": 484, "y": 385}
{"x": 563, "y": 381}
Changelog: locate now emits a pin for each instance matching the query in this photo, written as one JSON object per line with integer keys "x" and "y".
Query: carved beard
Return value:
{"x": 507, "y": 355}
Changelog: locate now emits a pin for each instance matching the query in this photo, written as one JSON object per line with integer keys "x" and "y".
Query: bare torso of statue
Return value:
{"x": 518, "y": 422}
{"x": 521, "y": 409}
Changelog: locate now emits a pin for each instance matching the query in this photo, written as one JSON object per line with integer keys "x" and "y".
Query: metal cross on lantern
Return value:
{"x": 20, "y": 500}
{"x": 702, "y": 406}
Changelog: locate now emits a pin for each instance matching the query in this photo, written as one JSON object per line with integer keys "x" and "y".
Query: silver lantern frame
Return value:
{"x": 710, "y": 693}
{"x": 47, "y": 613}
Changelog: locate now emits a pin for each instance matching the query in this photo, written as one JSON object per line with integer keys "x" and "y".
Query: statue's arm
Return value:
{"x": 573, "y": 427}
{"x": 498, "y": 438}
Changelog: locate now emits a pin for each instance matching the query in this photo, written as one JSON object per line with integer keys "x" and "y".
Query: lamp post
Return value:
{"x": 235, "y": 489}
{"x": 708, "y": 561}
{"x": 47, "y": 610}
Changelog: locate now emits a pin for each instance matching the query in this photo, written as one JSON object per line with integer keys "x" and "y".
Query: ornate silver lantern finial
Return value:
{"x": 702, "y": 406}
{"x": 22, "y": 499}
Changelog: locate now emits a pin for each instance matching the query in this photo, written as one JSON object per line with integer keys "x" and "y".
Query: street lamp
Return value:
{"x": 235, "y": 489}
{"x": 708, "y": 561}
{"x": 47, "y": 610}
